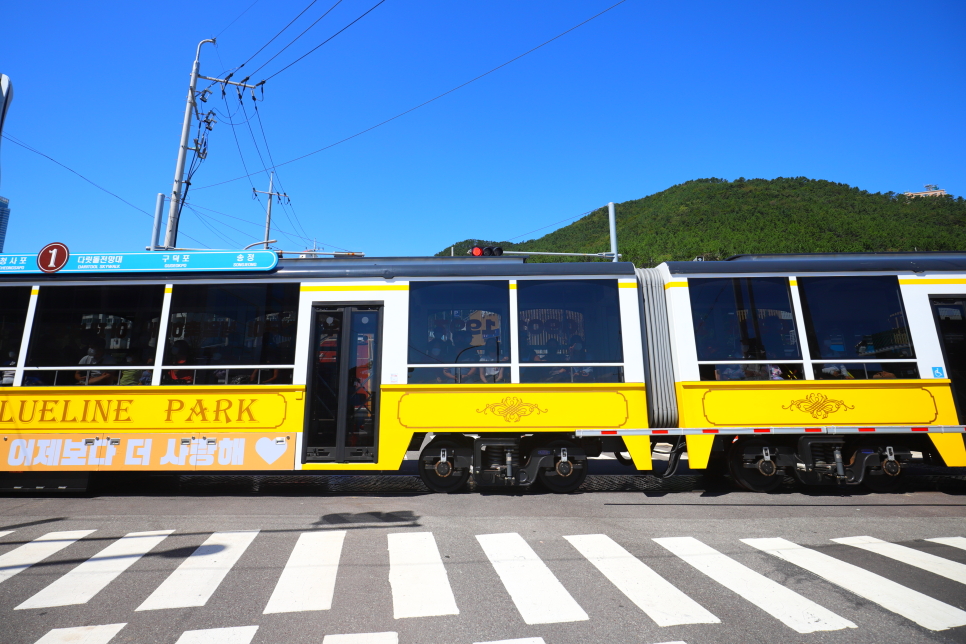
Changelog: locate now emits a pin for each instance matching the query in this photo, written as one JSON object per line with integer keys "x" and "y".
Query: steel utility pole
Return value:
{"x": 268, "y": 211}
{"x": 612, "y": 219}
{"x": 174, "y": 212}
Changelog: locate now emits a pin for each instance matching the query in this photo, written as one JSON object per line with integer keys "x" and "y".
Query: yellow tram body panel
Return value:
{"x": 150, "y": 428}
{"x": 819, "y": 403}
{"x": 505, "y": 408}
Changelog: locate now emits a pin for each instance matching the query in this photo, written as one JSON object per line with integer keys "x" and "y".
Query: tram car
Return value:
{"x": 833, "y": 369}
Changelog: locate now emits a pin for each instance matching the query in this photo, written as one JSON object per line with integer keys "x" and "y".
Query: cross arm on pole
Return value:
{"x": 227, "y": 82}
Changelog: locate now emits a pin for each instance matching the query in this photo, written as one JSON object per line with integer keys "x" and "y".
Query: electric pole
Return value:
{"x": 268, "y": 211}
{"x": 174, "y": 212}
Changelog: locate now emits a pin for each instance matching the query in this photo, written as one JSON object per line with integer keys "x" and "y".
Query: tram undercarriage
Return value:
{"x": 760, "y": 465}
{"x": 559, "y": 462}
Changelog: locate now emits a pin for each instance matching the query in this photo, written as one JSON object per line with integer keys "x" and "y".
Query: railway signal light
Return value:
{"x": 485, "y": 251}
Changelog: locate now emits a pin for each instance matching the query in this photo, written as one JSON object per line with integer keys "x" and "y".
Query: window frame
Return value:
{"x": 812, "y": 362}
{"x": 797, "y": 319}
{"x": 807, "y": 361}
{"x": 158, "y": 368}
{"x": 514, "y": 364}
{"x": 162, "y": 366}
{"x": 24, "y": 368}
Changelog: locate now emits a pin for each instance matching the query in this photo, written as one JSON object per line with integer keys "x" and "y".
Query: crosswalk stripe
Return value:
{"x": 525, "y": 640}
{"x": 19, "y": 559}
{"x": 229, "y": 635}
{"x": 790, "y": 608}
{"x": 657, "y": 597}
{"x": 538, "y": 595}
{"x": 196, "y": 579}
{"x": 931, "y": 563}
{"x": 420, "y": 586}
{"x": 4, "y": 533}
{"x": 923, "y": 610}
{"x": 308, "y": 579}
{"x": 362, "y": 638}
{"x": 91, "y": 577}
{"x": 955, "y": 542}
{"x": 101, "y": 634}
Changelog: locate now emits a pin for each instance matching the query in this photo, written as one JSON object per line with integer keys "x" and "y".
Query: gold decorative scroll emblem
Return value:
{"x": 512, "y": 409}
{"x": 818, "y": 405}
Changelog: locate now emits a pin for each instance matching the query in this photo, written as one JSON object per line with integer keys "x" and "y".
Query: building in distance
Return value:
{"x": 931, "y": 190}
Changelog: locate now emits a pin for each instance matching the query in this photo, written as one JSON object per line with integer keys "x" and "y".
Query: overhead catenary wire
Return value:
{"x": 241, "y": 156}
{"x": 425, "y": 103}
{"x": 202, "y": 218}
{"x": 583, "y": 214}
{"x": 286, "y": 205}
{"x": 261, "y": 224}
{"x": 236, "y": 18}
{"x": 371, "y": 9}
{"x": 291, "y": 42}
{"x": 24, "y": 145}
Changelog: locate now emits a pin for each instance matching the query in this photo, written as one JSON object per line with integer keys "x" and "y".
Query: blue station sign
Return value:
{"x": 149, "y": 262}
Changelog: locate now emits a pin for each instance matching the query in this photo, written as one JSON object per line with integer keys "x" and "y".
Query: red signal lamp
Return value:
{"x": 486, "y": 251}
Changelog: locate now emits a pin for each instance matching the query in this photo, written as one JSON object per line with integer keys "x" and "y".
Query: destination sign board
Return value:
{"x": 150, "y": 262}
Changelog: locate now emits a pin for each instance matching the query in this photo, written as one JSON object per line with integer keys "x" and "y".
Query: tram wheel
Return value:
{"x": 561, "y": 479}
{"x": 751, "y": 479}
{"x": 441, "y": 479}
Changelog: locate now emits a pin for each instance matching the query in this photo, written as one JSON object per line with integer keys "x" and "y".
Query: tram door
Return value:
{"x": 950, "y": 315}
{"x": 343, "y": 388}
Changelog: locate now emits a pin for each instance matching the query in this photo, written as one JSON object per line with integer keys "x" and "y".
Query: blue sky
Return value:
{"x": 646, "y": 96}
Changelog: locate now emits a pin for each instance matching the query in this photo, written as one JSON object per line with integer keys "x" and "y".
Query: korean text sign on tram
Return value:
{"x": 155, "y": 262}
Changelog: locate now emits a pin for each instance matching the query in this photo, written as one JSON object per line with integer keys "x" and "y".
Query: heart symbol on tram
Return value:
{"x": 269, "y": 450}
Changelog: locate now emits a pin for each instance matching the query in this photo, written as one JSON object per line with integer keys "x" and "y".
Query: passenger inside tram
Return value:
{"x": 95, "y": 356}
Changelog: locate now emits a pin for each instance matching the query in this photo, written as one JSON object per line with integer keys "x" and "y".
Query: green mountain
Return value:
{"x": 716, "y": 218}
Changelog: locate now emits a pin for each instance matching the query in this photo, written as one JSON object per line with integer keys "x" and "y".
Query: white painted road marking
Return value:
{"x": 797, "y": 612}
{"x": 662, "y": 601}
{"x": 4, "y": 533}
{"x": 82, "y": 634}
{"x": 538, "y": 595}
{"x": 420, "y": 586}
{"x": 362, "y": 638}
{"x": 91, "y": 577}
{"x": 955, "y": 542}
{"x": 231, "y": 635}
{"x": 19, "y": 559}
{"x": 198, "y": 576}
{"x": 308, "y": 580}
{"x": 923, "y": 610}
{"x": 931, "y": 563}
{"x": 525, "y": 640}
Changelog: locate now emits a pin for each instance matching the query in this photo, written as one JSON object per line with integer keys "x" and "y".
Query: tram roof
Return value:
{"x": 299, "y": 268}
{"x": 795, "y": 264}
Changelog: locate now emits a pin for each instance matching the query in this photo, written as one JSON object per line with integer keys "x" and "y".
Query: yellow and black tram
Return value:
{"x": 833, "y": 369}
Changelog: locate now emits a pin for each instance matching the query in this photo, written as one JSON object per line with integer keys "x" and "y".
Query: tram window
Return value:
{"x": 743, "y": 319}
{"x": 269, "y": 376}
{"x": 95, "y": 325}
{"x": 13, "y": 312}
{"x": 569, "y": 321}
{"x": 232, "y": 324}
{"x": 92, "y": 377}
{"x": 454, "y": 322}
{"x": 751, "y": 371}
{"x": 855, "y": 317}
{"x": 457, "y": 375}
{"x": 608, "y": 373}
{"x": 865, "y": 371}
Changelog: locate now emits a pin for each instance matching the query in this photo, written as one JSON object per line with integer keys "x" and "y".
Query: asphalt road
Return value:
{"x": 231, "y": 560}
